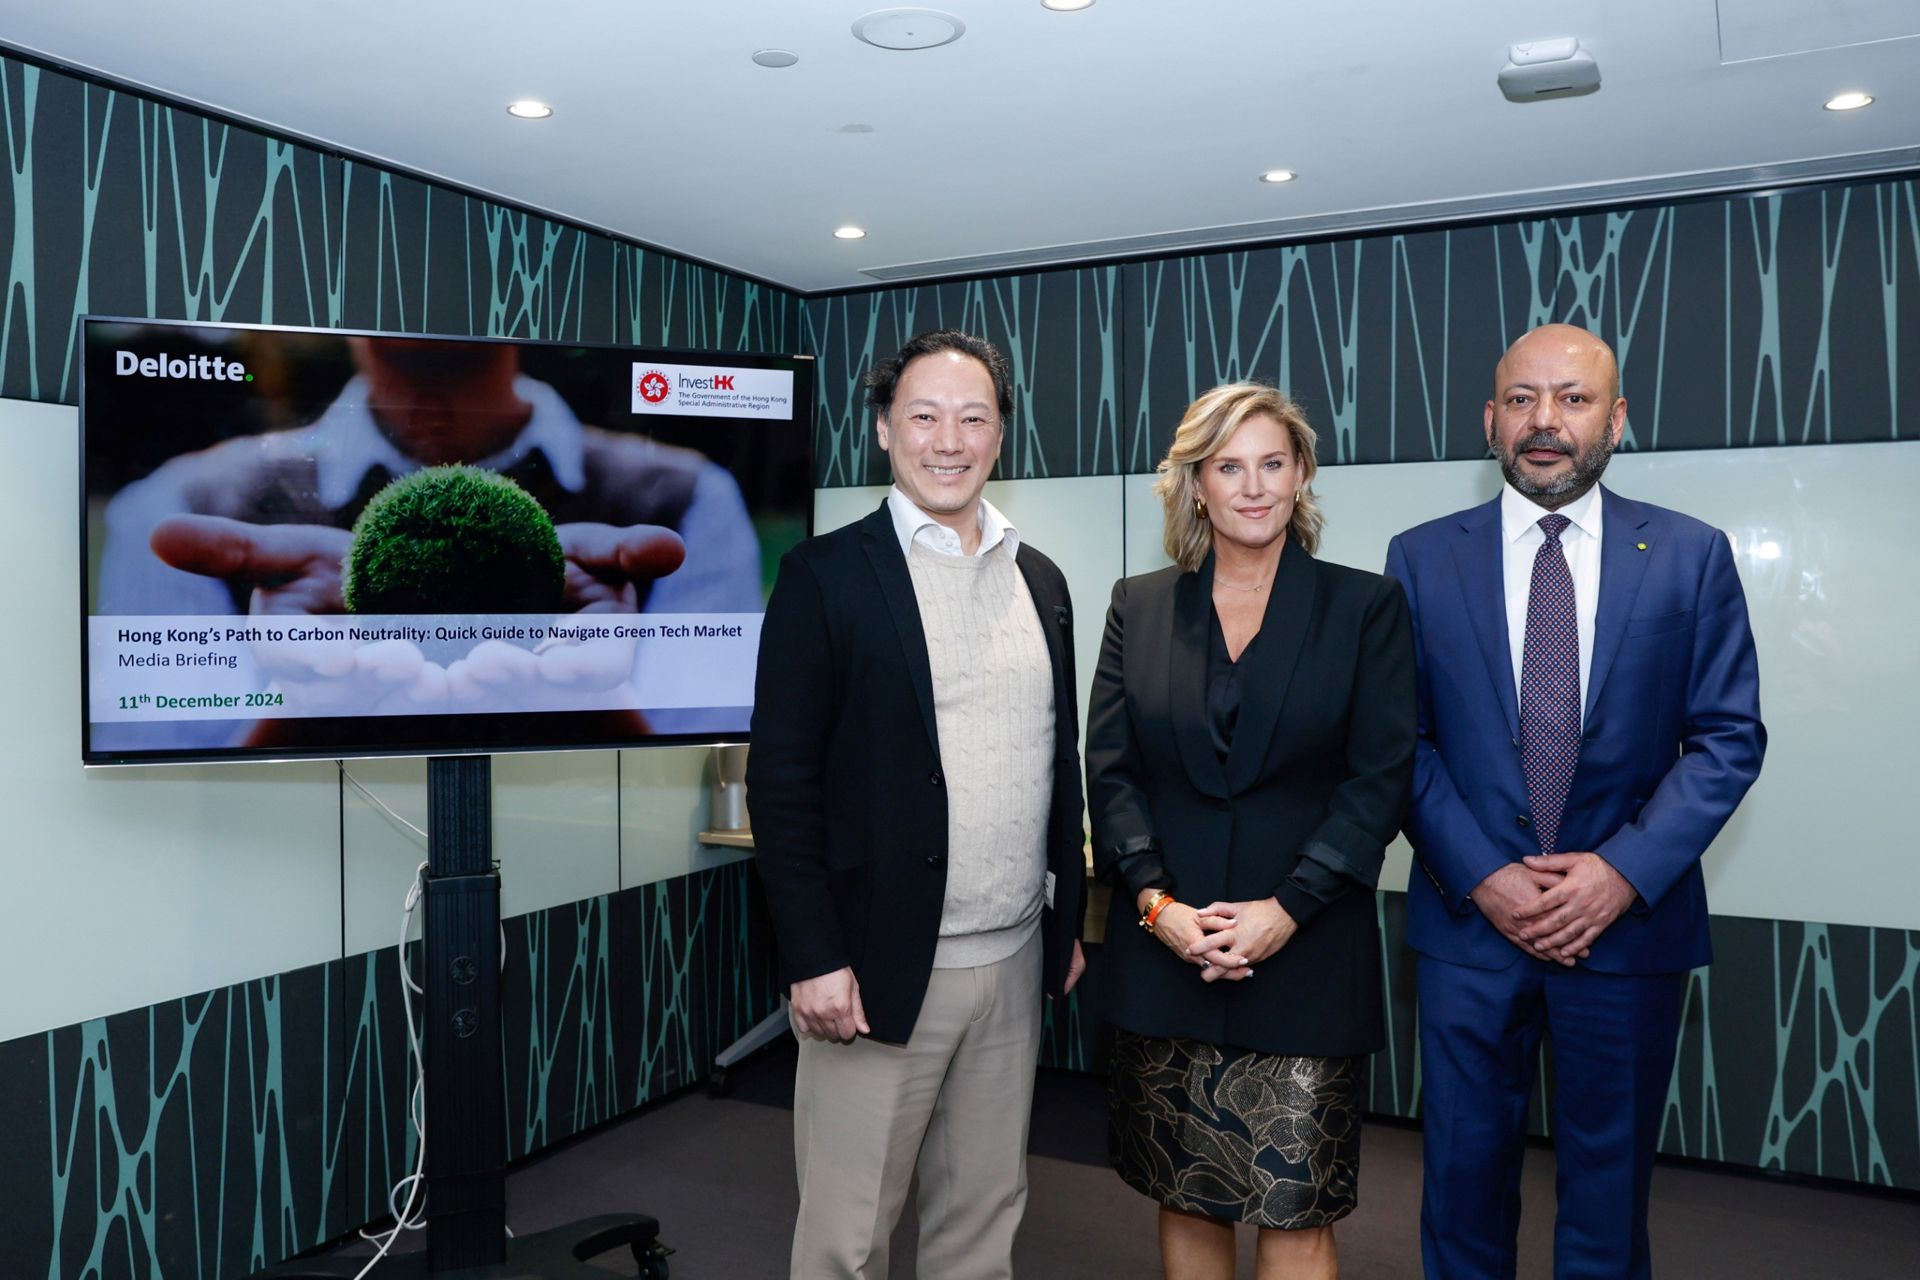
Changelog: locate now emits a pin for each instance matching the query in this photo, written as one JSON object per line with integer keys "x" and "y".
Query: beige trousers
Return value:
{"x": 954, "y": 1103}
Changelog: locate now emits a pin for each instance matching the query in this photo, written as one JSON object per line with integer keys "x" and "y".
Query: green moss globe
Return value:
{"x": 454, "y": 540}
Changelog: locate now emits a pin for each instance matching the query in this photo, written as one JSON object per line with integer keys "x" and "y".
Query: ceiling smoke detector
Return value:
{"x": 907, "y": 29}
{"x": 1548, "y": 69}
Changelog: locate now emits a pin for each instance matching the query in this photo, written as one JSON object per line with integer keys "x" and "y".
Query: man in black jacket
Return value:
{"x": 915, "y": 790}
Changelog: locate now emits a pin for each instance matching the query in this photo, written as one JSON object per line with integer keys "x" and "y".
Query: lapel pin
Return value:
{"x": 1641, "y": 545}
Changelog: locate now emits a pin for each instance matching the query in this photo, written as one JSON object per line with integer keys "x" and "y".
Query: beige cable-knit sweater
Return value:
{"x": 993, "y": 709}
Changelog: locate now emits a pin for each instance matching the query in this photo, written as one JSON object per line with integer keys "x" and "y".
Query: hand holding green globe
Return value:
{"x": 455, "y": 539}
{"x": 443, "y": 540}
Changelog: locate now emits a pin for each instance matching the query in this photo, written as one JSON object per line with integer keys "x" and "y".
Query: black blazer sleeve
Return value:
{"x": 792, "y": 722}
{"x": 1061, "y": 921}
{"x": 1364, "y": 811}
{"x": 1117, "y": 804}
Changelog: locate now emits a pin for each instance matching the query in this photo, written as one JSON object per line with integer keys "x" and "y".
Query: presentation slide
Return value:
{"x": 309, "y": 542}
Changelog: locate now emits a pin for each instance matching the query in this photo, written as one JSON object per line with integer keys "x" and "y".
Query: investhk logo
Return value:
{"x": 204, "y": 368}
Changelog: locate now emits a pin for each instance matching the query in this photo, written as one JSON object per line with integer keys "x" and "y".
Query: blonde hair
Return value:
{"x": 1209, "y": 423}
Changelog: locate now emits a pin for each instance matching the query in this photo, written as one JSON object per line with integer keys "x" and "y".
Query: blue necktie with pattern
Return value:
{"x": 1550, "y": 686}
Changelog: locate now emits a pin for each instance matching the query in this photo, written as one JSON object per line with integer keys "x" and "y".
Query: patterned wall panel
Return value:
{"x": 378, "y": 1145}
{"x": 1744, "y": 320}
{"x": 119, "y": 205}
{"x": 1059, "y": 330}
{"x": 1393, "y": 1077}
{"x": 1386, "y": 342}
{"x": 417, "y": 258}
{"x": 1071, "y": 1033}
{"x": 736, "y": 985}
{"x": 558, "y": 1020}
{"x": 1817, "y": 1068}
{"x": 197, "y": 1138}
{"x": 1761, "y": 320}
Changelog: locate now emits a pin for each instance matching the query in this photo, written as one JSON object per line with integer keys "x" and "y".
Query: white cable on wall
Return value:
{"x": 378, "y": 803}
{"x": 410, "y": 1215}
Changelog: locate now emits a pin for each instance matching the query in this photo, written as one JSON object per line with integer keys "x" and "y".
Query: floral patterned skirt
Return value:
{"x": 1234, "y": 1134}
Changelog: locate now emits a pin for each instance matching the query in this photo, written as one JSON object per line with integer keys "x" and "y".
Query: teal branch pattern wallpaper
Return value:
{"x": 1059, "y": 330}
{"x": 1747, "y": 320}
{"x": 208, "y": 1137}
{"x": 200, "y": 1137}
{"x": 117, "y": 205}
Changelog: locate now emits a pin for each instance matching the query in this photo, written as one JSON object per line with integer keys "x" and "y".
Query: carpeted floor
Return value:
{"x": 718, "y": 1174}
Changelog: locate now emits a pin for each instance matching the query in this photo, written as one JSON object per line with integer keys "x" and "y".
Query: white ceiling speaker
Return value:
{"x": 906, "y": 29}
{"x": 1548, "y": 69}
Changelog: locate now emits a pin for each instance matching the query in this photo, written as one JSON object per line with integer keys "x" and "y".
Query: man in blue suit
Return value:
{"x": 1589, "y": 719}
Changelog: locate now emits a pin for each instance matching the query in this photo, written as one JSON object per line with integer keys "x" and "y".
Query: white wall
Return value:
{"x": 118, "y": 889}
{"x": 124, "y": 887}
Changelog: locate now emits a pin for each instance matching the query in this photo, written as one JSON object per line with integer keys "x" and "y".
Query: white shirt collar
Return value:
{"x": 911, "y": 525}
{"x": 1520, "y": 514}
{"x": 347, "y": 443}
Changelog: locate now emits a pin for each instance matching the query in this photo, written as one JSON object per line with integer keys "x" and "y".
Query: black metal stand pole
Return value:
{"x": 466, "y": 1101}
{"x": 466, "y": 1132}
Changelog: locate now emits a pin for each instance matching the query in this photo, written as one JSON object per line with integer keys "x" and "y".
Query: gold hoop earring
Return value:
{"x": 1200, "y": 508}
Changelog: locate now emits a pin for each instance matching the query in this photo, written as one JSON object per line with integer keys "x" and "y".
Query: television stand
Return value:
{"x": 466, "y": 1102}
{"x": 564, "y": 1253}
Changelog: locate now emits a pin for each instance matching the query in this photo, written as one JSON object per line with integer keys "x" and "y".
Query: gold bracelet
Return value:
{"x": 1155, "y": 905}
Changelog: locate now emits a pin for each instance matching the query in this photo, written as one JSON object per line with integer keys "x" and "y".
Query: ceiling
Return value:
{"x": 1036, "y": 137}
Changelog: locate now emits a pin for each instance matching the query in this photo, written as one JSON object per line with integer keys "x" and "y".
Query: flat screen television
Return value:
{"x": 308, "y": 543}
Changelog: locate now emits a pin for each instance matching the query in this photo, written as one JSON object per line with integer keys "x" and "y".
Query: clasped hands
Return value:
{"x": 1554, "y": 906}
{"x": 1225, "y": 939}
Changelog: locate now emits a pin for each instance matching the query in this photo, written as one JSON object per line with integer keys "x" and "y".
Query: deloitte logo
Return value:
{"x": 653, "y": 386}
{"x": 202, "y": 368}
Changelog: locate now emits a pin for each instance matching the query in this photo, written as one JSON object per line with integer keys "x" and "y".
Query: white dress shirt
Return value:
{"x": 914, "y": 525}
{"x": 1520, "y": 523}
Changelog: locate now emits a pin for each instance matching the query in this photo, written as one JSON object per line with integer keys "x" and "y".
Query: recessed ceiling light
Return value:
{"x": 1066, "y": 6}
{"x": 848, "y": 233}
{"x": 528, "y": 109}
{"x": 1849, "y": 101}
{"x": 1278, "y": 175}
{"x": 776, "y": 57}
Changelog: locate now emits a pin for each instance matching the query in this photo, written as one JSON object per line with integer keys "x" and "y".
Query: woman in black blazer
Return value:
{"x": 1249, "y": 748}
